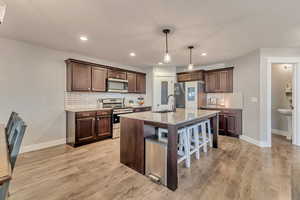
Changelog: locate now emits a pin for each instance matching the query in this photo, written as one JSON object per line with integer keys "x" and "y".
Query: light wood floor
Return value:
{"x": 237, "y": 170}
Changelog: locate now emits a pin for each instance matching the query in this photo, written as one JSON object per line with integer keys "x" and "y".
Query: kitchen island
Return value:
{"x": 136, "y": 127}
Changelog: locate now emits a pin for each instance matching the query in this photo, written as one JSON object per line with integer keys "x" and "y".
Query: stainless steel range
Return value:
{"x": 118, "y": 106}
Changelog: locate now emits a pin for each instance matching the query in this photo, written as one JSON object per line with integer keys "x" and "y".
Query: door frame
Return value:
{"x": 296, "y": 97}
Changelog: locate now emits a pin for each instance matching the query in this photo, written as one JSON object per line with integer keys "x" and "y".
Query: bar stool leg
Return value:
{"x": 204, "y": 136}
{"x": 196, "y": 139}
{"x": 209, "y": 133}
{"x": 186, "y": 140}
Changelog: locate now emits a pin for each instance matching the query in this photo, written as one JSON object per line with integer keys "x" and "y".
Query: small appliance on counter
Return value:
{"x": 140, "y": 100}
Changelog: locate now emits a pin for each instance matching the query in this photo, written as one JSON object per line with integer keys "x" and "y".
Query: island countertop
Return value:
{"x": 172, "y": 118}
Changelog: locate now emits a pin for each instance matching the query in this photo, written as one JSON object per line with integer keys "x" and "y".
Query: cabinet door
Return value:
{"x": 131, "y": 77}
{"x": 117, "y": 74}
{"x": 99, "y": 76}
{"x": 81, "y": 77}
{"x": 225, "y": 81}
{"x": 104, "y": 126}
{"x": 231, "y": 124}
{"x": 85, "y": 129}
{"x": 141, "y": 83}
{"x": 211, "y": 80}
{"x": 222, "y": 124}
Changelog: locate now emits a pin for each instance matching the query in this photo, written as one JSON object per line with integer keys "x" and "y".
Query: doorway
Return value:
{"x": 282, "y": 101}
{"x": 295, "y": 132}
{"x": 163, "y": 86}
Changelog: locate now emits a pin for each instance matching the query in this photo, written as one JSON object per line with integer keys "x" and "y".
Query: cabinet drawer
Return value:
{"x": 142, "y": 109}
{"x": 104, "y": 112}
{"x": 85, "y": 114}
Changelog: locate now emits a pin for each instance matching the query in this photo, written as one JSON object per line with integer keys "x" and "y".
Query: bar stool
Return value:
{"x": 183, "y": 147}
{"x": 194, "y": 141}
{"x": 208, "y": 131}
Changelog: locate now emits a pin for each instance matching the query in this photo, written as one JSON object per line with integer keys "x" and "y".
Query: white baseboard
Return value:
{"x": 253, "y": 141}
{"x": 43, "y": 145}
{"x": 279, "y": 132}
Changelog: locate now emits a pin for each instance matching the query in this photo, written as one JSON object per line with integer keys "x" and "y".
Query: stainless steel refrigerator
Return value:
{"x": 180, "y": 93}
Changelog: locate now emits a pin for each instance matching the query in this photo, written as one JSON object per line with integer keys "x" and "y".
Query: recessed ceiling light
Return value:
{"x": 83, "y": 38}
{"x": 203, "y": 54}
{"x": 160, "y": 63}
{"x": 132, "y": 54}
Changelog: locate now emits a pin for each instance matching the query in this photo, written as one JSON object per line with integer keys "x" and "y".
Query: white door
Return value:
{"x": 191, "y": 97}
{"x": 163, "y": 86}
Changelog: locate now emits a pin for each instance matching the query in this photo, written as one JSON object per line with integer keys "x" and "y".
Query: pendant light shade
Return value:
{"x": 190, "y": 66}
{"x": 2, "y": 11}
{"x": 167, "y": 57}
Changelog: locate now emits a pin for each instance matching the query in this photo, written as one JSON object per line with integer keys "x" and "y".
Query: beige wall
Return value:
{"x": 246, "y": 82}
{"x": 32, "y": 83}
{"x": 280, "y": 77}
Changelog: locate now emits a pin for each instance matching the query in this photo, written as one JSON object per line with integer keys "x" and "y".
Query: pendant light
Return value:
{"x": 167, "y": 57}
{"x": 190, "y": 66}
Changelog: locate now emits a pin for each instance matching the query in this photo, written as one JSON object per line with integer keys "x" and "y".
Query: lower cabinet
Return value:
{"x": 230, "y": 121}
{"x": 86, "y": 127}
{"x": 103, "y": 126}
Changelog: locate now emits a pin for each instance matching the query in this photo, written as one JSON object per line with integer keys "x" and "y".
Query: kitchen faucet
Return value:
{"x": 174, "y": 102}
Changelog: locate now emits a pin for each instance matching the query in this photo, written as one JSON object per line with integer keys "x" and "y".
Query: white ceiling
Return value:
{"x": 224, "y": 29}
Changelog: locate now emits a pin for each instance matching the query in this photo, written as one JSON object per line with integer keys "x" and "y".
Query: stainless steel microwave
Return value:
{"x": 117, "y": 85}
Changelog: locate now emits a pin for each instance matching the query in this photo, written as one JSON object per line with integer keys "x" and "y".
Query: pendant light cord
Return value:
{"x": 167, "y": 48}
{"x": 190, "y": 55}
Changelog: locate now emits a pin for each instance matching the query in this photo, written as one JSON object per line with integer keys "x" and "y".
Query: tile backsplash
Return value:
{"x": 226, "y": 99}
{"x": 83, "y": 99}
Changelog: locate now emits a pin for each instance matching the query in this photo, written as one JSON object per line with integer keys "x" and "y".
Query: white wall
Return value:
{"x": 280, "y": 77}
{"x": 32, "y": 83}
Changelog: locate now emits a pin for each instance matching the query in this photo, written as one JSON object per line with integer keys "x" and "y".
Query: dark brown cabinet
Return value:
{"x": 99, "y": 76}
{"x": 85, "y": 129}
{"x": 117, "y": 74}
{"x": 217, "y": 81}
{"x": 90, "y": 77}
{"x": 131, "y": 77}
{"x": 197, "y": 75}
{"x": 230, "y": 121}
{"x": 141, "y": 83}
{"x": 78, "y": 77}
{"x": 103, "y": 126}
{"x": 142, "y": 109}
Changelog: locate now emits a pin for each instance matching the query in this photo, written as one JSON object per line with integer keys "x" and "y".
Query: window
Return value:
{"x": 164, "y": 92}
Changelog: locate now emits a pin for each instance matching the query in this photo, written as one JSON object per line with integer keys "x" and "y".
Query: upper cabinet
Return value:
{"x": 117, "y": 74}
{"x": 219, "y": 81}
{"x": 89, "y": 77}
{"x": 141, "y": 83}
{"x": 190, "y": 76}
{"x": 99, "y": 76}
{"x": 131, "y": 77}
{"x": 78, "y": 77}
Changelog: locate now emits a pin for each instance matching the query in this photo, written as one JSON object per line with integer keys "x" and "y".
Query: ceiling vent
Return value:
{"x": 2, "y": 11}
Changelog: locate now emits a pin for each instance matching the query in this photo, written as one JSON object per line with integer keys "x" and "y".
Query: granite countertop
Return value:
{"x": 83, "y": 109}
{"x": 221, "y": 107}
{"x": 172, "y": 118}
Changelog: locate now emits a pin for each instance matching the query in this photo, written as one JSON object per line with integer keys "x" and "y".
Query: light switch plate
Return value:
{"x": 254, "y": 99}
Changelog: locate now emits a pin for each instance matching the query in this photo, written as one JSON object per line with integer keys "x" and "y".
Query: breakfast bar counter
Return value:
{"x": 136, "y": 127}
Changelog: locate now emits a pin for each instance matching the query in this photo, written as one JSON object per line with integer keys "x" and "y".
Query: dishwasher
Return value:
{"x": 156, "y": 160}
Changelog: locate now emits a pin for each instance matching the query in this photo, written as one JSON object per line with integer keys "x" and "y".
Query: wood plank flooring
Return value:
{"x": 237, "y": 170}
